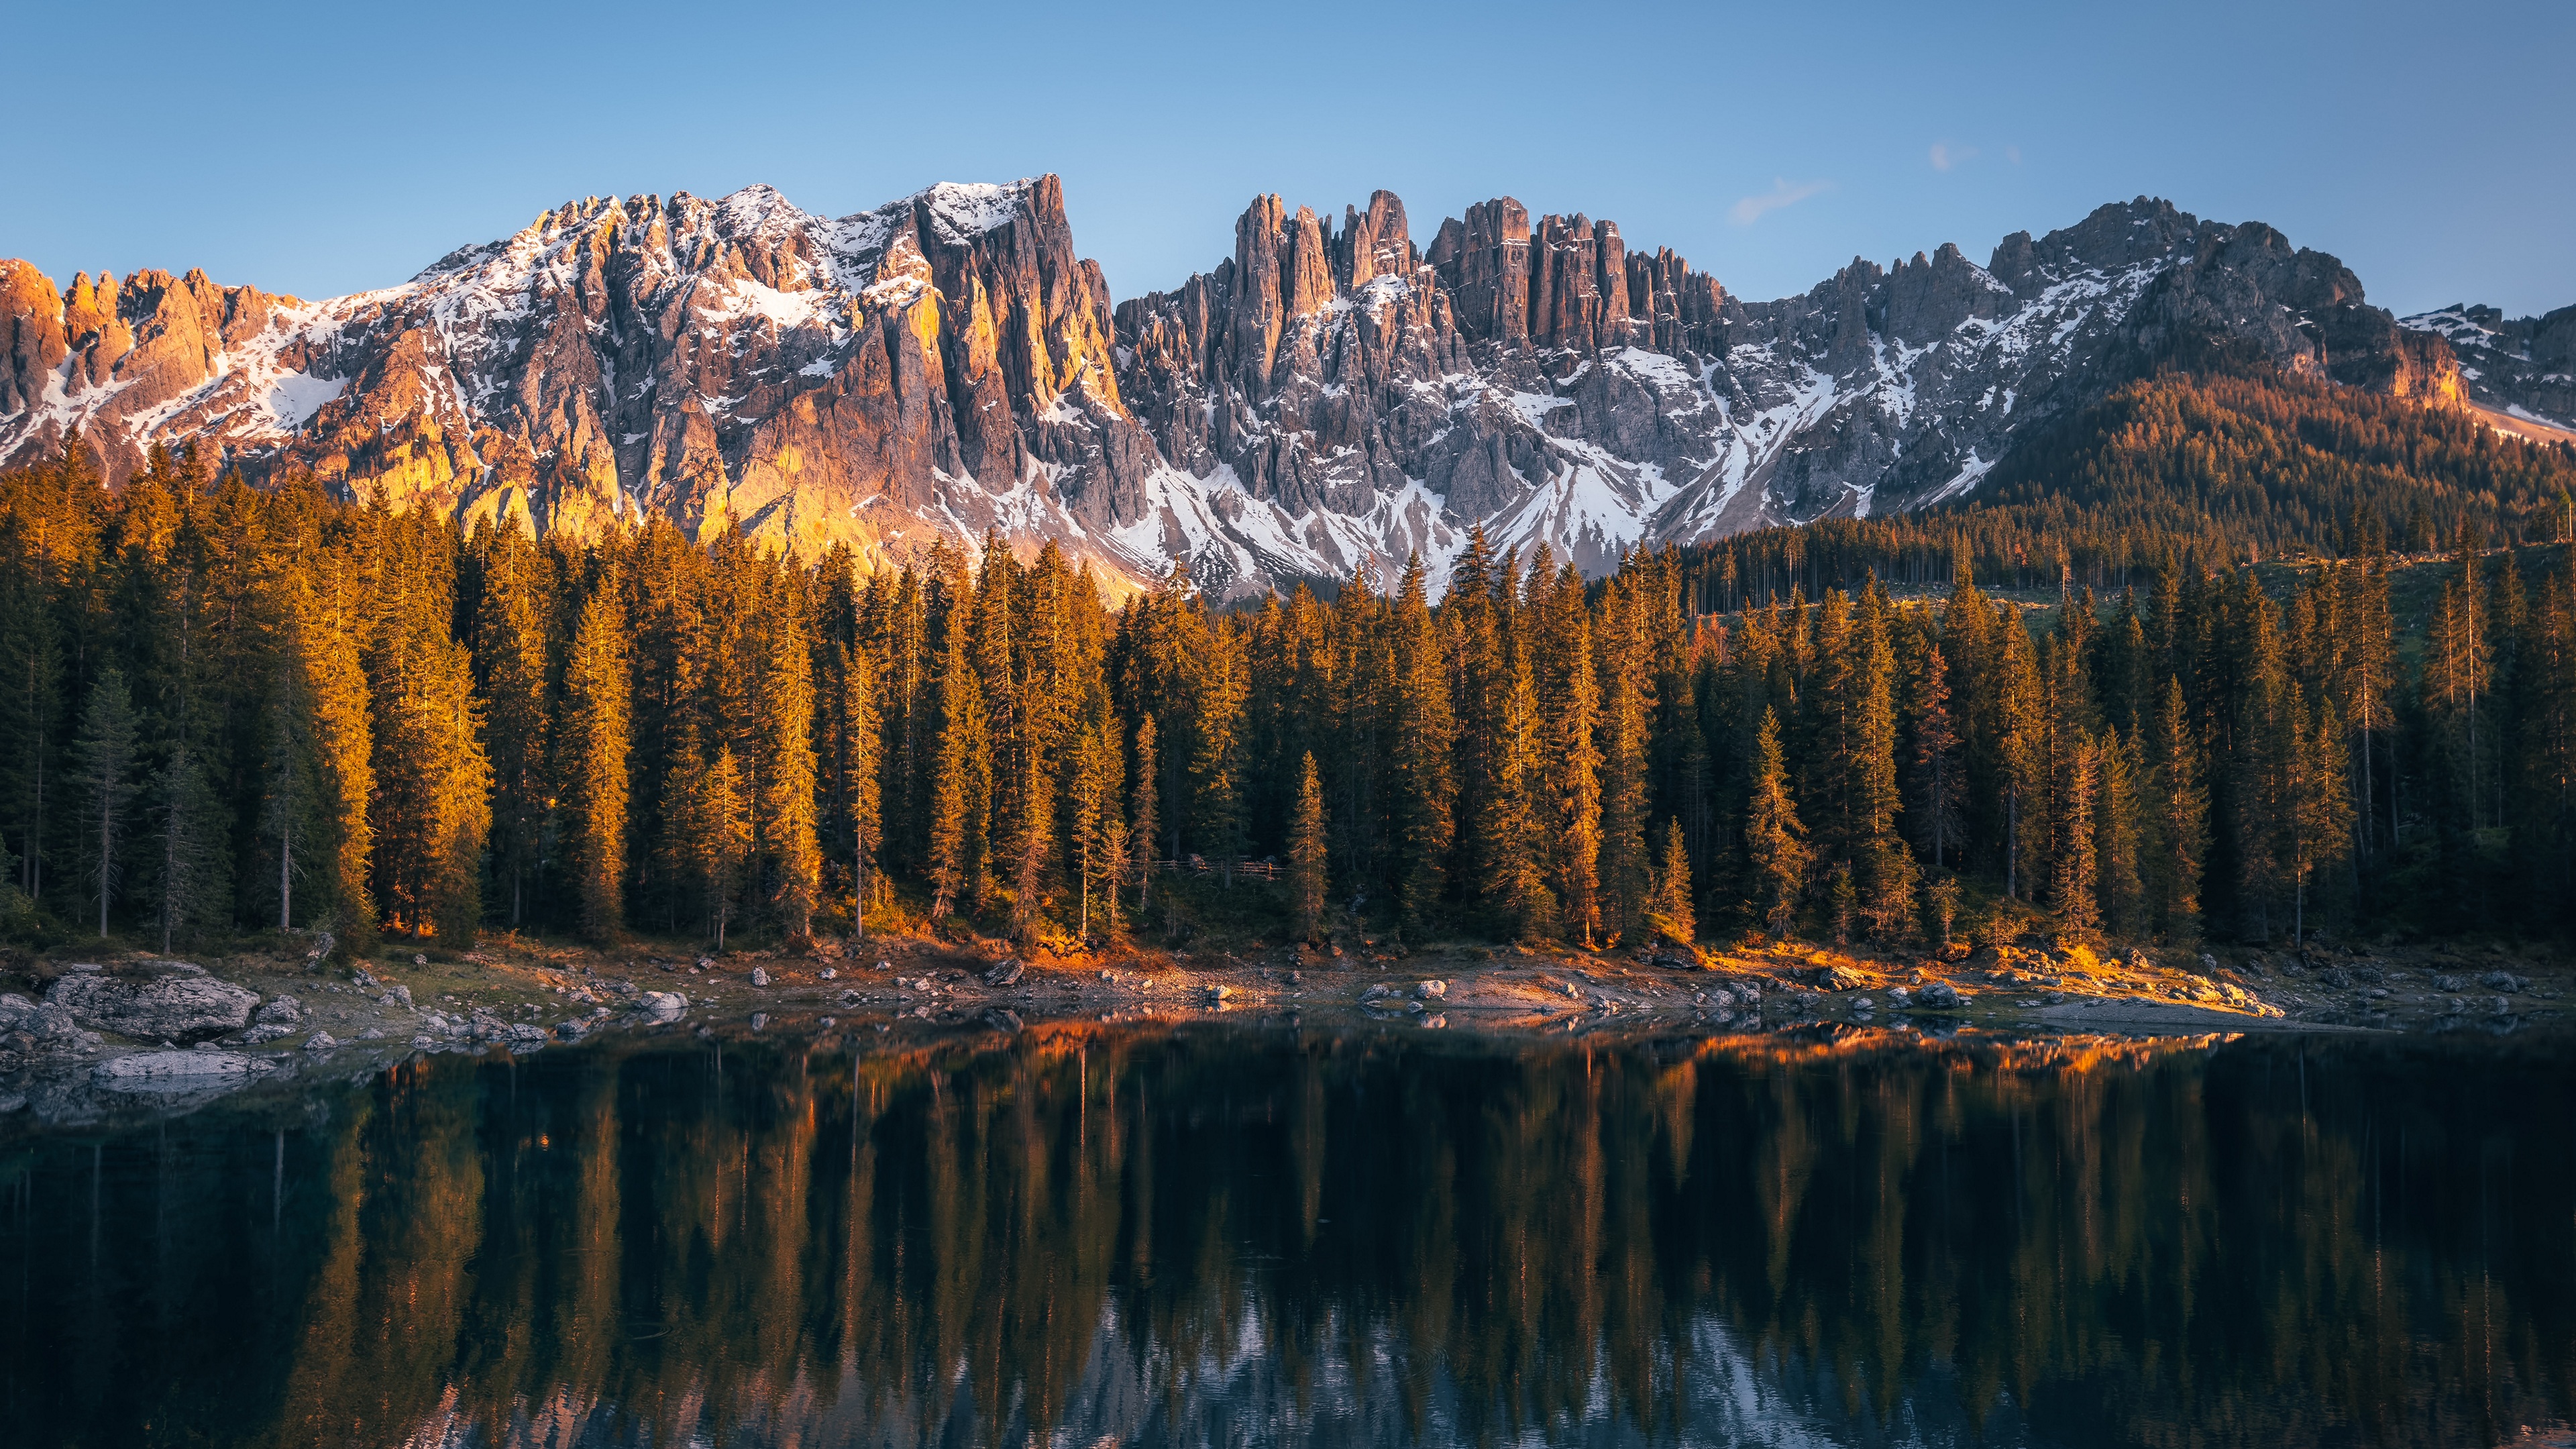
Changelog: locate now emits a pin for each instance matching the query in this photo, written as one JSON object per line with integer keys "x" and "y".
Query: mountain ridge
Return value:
{"x": 1326, "y": 400}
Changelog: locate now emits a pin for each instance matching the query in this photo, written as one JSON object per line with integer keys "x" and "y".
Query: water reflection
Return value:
{"x": 1213, "y": 1235}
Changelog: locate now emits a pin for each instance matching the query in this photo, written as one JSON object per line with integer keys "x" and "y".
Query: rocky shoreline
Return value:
{"x": 99, "y": 1040}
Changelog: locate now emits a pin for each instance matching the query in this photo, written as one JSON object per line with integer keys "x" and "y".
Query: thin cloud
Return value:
{"x": 1946, "y": 156}
{"x": 1753, "y": 208}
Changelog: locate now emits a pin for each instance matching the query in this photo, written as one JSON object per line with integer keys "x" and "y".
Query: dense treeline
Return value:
{"x": 2224, "y": 469}
{"x": 223, "y": 709}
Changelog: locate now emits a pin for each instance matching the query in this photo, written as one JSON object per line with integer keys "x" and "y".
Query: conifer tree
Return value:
{"x": 323, "y": 649}
{"x": 1141, "y": 820}
{"x": 1624, "y": 867}
{"x": 2177, "y": 839}
{"x": 1885, "y": 869}
{"x": 597, "y": 743}
{"x": 1513, "y": 856}
{"x": 1936, "y": 757}
{"x": 433, "y": 789}
{"x": 960, "y": 781}
{"x": 862, "y": 789}
{"x": 103, "y": 753}
{"x": 1033, "y": 846}
{"x": 1670, "y": 913}
{"x": 1774, "y": 841}
{"x": 2119, "y": 890}
{"x": 290, "y": 782}
{"x": 1216, "y": 755}
{"x": 1306, "y": 853}
{"x": 510, "y": 671}
{"x": 1099, "y": 835}
{"x": 31, "y": 667}
{"x": 720, "y": 837}
{"x": 2320, "y": 815}
{"x": 785, "y": 836}
{"x": 191, "y": 859}
{"x": 2073, "y": 890}
{"x": 1419, "y": 785}
{"x": 1571, "y": 713}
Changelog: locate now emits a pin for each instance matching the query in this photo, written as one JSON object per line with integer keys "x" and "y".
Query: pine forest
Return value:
{"x": 2217, "y": 660}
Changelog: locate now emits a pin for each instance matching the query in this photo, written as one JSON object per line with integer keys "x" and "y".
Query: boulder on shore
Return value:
{"x": 170, "y": 1006}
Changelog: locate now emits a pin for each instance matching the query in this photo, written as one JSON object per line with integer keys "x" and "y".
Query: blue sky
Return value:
{"x": 319, "y": 149}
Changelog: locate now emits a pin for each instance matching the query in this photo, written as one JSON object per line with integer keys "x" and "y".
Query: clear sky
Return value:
{"x": 325, "y": 148}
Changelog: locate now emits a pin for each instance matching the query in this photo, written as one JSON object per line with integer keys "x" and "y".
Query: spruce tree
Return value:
{"x": 1141, "y": 820}
{"x": 1306, "y": 853}
{"x": 1936, "y": 757}
{"x": 721, "y": 838}
{"x": 105, "y": 773}
{"x": 2177, "y": 834}
{"x": 960, "y": 780}
{"x": 510, "y": 668}
{"x": 1775, "y": 843}
{"x": 1626, "y": 710}
{"x": 784, "y": 770}
{"x": 1419, "y": 789}
{"x": 1099, "y": 835}
{"x": 862, "y": 788}
{"x": 2073, "y": 890}
{"x": 1571, "y": 715}
{"x": 597, "y": 744}
{"x": 1670, "y": 913}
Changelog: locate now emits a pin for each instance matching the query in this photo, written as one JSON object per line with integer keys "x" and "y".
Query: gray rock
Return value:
{"x": 176, "y": 1006}
{"x": 1431, "y": 990}
{"x": 321, "y": 1041}
{"x": 396, "y": 994}
{"x": 279, "y": 1011}
{"x": 2504, "y": 981}
{"x": 759, "y": 976}
{"x": 664, "y": 1005}
{"x": 1939, "y": 995}
{"x": 1005, "y": 972}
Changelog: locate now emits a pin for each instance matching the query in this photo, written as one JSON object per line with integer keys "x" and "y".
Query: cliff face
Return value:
{"x": 936, "y": 366}
{"x": 1541, "y": 380}
{"x": 1328, "y": 399}
{"x": 2522, "y": 366}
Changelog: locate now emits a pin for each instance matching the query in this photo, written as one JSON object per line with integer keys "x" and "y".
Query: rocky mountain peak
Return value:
{"x": 1327, "y": 399}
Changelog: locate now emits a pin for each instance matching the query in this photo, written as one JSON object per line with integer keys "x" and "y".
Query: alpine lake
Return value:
{"x": 1243, "y": 1232}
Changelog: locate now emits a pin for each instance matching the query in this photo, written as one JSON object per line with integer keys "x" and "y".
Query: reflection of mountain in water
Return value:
{"x": 1222, "y": 1236}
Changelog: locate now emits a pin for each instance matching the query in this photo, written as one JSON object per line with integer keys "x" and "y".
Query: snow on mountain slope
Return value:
{"x": 1325, "y": 401}
{"x": 2524, "y": 367}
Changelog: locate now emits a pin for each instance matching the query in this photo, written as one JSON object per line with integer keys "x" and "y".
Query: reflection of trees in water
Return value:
{"x": 1210, "y": 1235}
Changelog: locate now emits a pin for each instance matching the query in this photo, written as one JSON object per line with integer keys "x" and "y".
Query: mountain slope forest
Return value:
{"x": 2074, "y": 705}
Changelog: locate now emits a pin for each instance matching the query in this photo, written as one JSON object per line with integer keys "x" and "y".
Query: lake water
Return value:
{"x": 1210, "y": 1234}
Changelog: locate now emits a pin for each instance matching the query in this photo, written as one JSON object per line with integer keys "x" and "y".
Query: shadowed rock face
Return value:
{"x": 1325, "y": 401}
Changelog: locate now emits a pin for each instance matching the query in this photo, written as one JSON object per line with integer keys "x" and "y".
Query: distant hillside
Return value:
{"x": 2234, "y": 465}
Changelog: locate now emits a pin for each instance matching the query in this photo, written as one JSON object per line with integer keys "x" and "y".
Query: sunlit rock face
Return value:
{"x": 2524, "y": 367}
{"x": 1331, "y": 398}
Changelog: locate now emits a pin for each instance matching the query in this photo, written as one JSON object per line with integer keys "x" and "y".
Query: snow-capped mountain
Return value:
{"x": 2524, "y": 368}
{"x": 1326, "y": 400}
